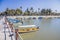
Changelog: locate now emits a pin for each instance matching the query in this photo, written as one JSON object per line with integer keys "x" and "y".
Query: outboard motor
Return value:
{"x": 38, "y": 27}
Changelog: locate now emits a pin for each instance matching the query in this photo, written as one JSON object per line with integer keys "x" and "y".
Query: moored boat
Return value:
{"x": 27, "y": 28}
{"x": 23, "y": 28}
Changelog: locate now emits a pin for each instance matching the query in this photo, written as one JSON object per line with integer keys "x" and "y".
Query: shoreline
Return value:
{"x": 32, "y": 17}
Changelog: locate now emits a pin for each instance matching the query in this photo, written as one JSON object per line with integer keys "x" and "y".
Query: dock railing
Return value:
{"x": 19, "y": 37}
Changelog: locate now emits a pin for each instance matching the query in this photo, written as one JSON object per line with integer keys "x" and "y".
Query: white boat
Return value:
{"x": 27, "y": 28}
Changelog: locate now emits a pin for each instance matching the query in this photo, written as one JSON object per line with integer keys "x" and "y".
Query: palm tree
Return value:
{"x": 47, "y": 12}
{"x": 31, "y": 10}
{"x": 38, "y": 10}
{"x": 55, "y": 10}
{"x": 6, "y": 12}
{"x": 21, "y": 9}
{"x": 27, "y": 12}
{"x": 43, "y": 12}
{"x": 50, "y": 11}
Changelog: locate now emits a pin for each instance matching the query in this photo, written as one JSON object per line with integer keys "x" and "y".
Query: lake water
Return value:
{"x": 49, "y": 29}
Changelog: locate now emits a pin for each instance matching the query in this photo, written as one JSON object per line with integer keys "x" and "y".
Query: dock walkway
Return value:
{"x": 5, "y": 31}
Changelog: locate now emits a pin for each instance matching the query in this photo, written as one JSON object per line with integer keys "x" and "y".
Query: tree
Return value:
{"x": 10, "y": 12}
{"x": 31, "y": 10}
{"x": 21, "y": 7}
{"x": 7, "y": 11}
{"x": 18, "y": 11}
{"x": 38, "y": 11}
{"x": 48, "y": 11}
{"x": 27, "y": 12}
{"x": 43, "y": 12}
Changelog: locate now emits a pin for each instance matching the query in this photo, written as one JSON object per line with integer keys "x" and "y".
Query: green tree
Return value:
{"x": 43, "y": 12}
{"x": 6, "y": 12}
{"x": 18, "y": 11}
{"x": 27, "y": 12}
{"x": 31, "y": 10}
{"x": 48, "y": 11}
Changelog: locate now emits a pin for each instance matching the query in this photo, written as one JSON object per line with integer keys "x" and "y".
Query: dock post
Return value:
{"x": 16, "y": 33}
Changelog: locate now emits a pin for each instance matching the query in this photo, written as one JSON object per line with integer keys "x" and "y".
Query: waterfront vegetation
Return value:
{"x": 28, "y": 12}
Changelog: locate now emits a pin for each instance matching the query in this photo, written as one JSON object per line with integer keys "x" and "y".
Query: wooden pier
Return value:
{"x": 5, "y": 31}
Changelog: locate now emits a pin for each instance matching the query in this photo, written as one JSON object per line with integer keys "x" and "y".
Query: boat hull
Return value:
{"x": 27, "y": 30}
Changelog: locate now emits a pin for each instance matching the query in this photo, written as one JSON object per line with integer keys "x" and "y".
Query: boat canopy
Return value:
{"x": 13, "y": 20}
{"x": 28, "y": 26}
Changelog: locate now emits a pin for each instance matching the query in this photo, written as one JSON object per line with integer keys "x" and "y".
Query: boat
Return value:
{"x": 34, "y": 18}
{"x": 13, "y": 20}
{"x": 27, "y": 28}
{"x": 23, "y": 28}
{"x": 40, "y": 18}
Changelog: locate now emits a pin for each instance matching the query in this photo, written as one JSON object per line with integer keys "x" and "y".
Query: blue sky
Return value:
{"x": 13, "y": 4}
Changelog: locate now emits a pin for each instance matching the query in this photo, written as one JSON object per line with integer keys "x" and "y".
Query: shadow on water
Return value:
{"x": 28, "y": 36}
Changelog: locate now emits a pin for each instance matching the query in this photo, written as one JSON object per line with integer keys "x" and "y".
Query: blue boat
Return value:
{"x": 34, "y": 18}
{"x": 40, "y": 18}
{"x": 13, "y": 20}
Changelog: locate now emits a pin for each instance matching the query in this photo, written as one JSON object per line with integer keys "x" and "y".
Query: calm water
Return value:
{"x": 49, "y": 29}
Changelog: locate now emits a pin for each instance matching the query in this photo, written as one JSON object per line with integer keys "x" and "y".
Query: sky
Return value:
{"x": 14, "y": 4}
